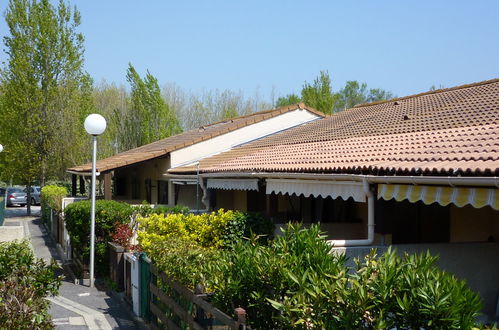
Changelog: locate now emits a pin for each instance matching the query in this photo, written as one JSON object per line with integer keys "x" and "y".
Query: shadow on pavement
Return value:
{"x": 21, "y": 211}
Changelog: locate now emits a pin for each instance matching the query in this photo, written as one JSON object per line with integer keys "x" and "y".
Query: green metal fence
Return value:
{"x": 145, "y": 278}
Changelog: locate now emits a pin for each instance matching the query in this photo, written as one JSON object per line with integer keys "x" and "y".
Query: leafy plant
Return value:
{"x": 204, "y": 229}
{"x": 24, "y": 283}
{"x": 259, "y": 277}
{"x": 122, "y": 234}
{"x": 184, "y": 261}
{"x": 51, "y": 198}
{"x": 246, "y": 224}
{"x": 107, "y": 215}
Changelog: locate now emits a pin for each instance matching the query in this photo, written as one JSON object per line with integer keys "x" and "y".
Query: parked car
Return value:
{"x": 35, "y": 195}
{"x": 15, "y": 196}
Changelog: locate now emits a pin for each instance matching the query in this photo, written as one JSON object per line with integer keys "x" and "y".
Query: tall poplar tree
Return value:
{"x": 149, "y": 118}
{"x": 319, "y": 95}
{"x": 44, "y": 89}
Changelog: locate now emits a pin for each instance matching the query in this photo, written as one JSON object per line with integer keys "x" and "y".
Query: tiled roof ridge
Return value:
{"x": 286, "y": 108}
{"x": 437, "y": 91}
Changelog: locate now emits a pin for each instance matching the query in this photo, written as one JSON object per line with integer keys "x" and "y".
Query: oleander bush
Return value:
{"x": 295, "y": 281}
{"x": 51, "y": 198}
{"x": 107, "y": 214}
{"x": 24, "y": 284}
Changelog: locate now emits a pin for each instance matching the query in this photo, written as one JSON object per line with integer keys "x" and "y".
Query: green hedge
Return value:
{"x": 51, "y": 198}
{"x": 107, "y": 215}
{"x": 295, "y": 282}
{"x": 24, "y": 284}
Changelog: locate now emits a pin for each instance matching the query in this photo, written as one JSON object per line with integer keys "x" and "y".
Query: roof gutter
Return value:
{"x": 415, "y": 180}
{"x": 83, "y": 173}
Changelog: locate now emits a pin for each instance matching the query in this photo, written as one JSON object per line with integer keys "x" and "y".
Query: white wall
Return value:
{"x": 245, "y": 134}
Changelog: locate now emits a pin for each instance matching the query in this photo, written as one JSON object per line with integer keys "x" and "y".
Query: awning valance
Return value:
{"x": 316, "y": 188}
{"x": 184, "y": 181}
{"x": 477, "y": 197}
{"x": 233, "y": 184}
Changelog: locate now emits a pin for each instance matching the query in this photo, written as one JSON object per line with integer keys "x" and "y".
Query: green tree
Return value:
{"x": 149, "y": 118}
{"x": 113, "y": 103}
{"x": 287, "y": 100}
{"x": 355, "y": 93}
{"x": 43, "y": 86}
{"x": 319, "y": 95}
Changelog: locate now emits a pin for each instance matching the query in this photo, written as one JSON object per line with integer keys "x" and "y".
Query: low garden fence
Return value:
{"x": 165, "y": 303}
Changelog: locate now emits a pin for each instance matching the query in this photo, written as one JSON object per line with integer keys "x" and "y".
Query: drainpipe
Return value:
{"x": 205, "y": 198}
{"x": 370, "y": 223}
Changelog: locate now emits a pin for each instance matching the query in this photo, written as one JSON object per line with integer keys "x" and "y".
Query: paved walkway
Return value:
{"x": 77, "y": 306}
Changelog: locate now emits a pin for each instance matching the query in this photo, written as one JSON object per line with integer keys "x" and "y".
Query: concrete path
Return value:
{"x": 77, "y": 306}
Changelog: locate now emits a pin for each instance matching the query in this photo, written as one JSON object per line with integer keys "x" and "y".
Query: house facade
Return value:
{"x": 418, "y": 172}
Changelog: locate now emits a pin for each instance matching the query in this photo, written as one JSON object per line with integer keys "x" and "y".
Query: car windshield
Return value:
{"x": 15, "y": 190}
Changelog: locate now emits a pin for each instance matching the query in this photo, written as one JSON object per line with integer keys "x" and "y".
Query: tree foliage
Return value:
{"x": 355, "y": 93}
{"x": 319, "y": 95}
{"x": 287, "y": 100}
{"x": 44, "y": 89}
{"x": 149, "y": 119}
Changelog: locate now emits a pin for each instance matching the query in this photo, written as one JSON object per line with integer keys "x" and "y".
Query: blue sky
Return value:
{"x": 401, "y": 46}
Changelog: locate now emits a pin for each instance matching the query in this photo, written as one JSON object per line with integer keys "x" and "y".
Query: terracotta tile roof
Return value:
{"x": 452, "y": 131}
{"x": 163, "y": 147}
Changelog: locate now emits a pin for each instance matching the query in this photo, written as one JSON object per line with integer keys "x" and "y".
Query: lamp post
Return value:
{"x": 95, "y": 125}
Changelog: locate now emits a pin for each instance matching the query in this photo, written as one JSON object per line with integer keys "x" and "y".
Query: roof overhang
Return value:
{"x": 82, "y": 173}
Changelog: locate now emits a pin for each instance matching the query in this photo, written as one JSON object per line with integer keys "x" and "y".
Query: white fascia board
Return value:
{"x": 240, "y": 136}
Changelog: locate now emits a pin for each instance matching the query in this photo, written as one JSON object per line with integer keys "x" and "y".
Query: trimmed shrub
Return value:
{"x": 206, "y": 230}
{"x": 210, "y": 230}
{"x": 24, "y": 283}
{"x": 51, "y": 198}
{"x": 107, "y": 215}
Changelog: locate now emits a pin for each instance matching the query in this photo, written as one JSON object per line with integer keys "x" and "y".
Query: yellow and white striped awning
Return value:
{"x": 477, "y": 197}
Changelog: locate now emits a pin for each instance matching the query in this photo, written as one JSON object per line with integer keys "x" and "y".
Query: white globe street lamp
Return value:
{"x": 1, "y": 148}
{"x": 95, "y": 125}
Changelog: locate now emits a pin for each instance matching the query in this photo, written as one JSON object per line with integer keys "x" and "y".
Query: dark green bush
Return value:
{"x": 24, "y": 283}
{"x": 247, "y": 224}
{"x": 107, "y": 214}
{"x": 250, "y": 274}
